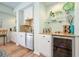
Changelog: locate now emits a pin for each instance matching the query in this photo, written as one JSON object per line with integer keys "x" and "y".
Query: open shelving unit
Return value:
{"x": 27, "y": 27}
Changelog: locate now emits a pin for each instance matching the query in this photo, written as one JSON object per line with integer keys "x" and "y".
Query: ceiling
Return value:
{"x": 49, "y": 3}
{"x": 11, "y": 4}
{"x": 15, "y": 4}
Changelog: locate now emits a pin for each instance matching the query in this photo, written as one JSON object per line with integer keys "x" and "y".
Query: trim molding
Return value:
{"x": 36, "y": 52}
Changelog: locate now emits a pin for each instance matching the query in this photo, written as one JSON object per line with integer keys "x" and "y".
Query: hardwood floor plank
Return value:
{"x": 20, "y": 53}
{"x": 27, "y": 55}
{"x": 17, "y": 51}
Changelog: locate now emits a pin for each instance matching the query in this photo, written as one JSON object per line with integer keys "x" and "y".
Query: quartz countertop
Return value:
{"x": 61, "y": 34}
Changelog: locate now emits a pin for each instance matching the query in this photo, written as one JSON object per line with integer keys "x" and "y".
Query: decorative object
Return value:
{"x": 68, "y": 6}
{"x": 70, "y": 19}
{"x": 71, "y": 29}
{"x": 52, "y": 14}
{"x": 69, "y": 10}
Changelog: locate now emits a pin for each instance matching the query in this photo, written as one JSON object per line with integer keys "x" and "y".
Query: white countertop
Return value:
{"x": 60, "y": 34}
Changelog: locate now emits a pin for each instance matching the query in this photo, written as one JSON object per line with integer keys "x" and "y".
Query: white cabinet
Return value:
{"x": 29, "y": 40}
{"x": 45, "y": 45}
{"x": 13, "y": 36}
{"x": 21, "y": 38}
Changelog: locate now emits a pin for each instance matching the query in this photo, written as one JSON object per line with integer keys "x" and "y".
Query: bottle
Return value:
{"x": 71, "y": 29}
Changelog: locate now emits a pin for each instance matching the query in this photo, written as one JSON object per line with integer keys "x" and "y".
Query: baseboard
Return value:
{"x": 12, "y": 42}
{"x": 42, "y": 55}
{"x": 39, "y": 54}
{"x": 15, "y": 43}
{"x": 36, "y": 52}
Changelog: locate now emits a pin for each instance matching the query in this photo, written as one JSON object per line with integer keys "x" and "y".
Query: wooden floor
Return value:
{"x": 17, "y": 51}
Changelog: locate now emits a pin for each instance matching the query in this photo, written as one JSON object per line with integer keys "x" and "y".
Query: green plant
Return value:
{"x": 69, "y": 6}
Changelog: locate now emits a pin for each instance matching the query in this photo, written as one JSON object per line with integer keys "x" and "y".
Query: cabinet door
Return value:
{"x": 13, "y": 36}
{"x": 21, "y": 38}
{"x": 45, "y": 45}
{"x": 29, "y": 43}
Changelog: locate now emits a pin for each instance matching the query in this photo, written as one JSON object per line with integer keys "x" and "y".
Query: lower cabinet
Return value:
{"x": 18, "y": 38}
{"x": 45, "y": 45}
{"x": 21, "y": 39}
{"x": 29, "y": 41}
{"x": 13, "y": 36}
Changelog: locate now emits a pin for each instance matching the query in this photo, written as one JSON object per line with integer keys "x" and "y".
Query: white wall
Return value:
{"x": 1, "y": 23}
{"x": 28, "y": 12}
{"x": 43, "y": 16}
{"x": 56, "y": 26}
{"x": 6, "y": 9}
{"x": 21, "y": 14}
{"x": 40, "y": 16}
{"x": 36, "y": 26}
{"x": 22, "y": 6}
{"x": 76, "y": 23}
{"x": 21, "y": 17}
{"x": 6, "y": 17}
{"x": 8, "y": 22}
